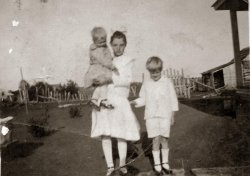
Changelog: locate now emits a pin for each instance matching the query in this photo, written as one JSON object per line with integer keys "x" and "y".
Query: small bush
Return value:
{"x": 74, "y": 112}
{"x": 39, "y": 124}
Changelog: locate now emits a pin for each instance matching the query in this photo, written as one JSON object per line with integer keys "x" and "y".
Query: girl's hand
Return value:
{"x": 133, "y": 103}
{"x": 96, "y": 82}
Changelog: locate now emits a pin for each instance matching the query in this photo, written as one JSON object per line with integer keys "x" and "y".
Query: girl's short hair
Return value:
{"x": 154, "y": 64}
{"x": 118, "y": 34}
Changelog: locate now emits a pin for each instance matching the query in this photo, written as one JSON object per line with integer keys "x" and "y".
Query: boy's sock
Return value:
{"x": 165, "y": 153}
{"x": 107, "y": 150}
{"x": 122, "y": 149}
{"x": 157, "y": 161}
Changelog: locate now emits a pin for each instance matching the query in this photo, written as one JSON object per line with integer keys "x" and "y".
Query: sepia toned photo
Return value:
{"x": 124, "y": 88}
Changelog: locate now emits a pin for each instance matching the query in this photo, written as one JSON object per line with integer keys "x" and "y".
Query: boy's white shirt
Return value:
{"x": 159, "y": 97}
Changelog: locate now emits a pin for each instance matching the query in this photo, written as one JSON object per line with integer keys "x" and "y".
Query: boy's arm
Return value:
{"x": 141, "y": 101}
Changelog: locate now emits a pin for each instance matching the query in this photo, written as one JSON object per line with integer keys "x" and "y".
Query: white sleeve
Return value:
{"x": 141, "y": 101}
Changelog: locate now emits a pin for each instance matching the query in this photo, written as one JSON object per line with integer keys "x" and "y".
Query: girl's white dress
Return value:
{"x": 119, "y": 122}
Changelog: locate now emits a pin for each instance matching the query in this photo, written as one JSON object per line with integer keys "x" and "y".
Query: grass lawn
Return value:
{"x": 198, "y": 139}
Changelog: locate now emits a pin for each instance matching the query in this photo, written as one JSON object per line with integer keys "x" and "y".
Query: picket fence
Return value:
{"x": 184, "y": 85}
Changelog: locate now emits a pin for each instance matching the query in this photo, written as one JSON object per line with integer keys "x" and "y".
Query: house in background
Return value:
{"x": 225, "y": 76}
{"x": 233, "y": 6}
{"x": 6, "y": 95}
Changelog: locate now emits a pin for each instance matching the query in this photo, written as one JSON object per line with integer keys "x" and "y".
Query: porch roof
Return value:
{"x": 243, "y": 54}
{"x": 236, "y": 5}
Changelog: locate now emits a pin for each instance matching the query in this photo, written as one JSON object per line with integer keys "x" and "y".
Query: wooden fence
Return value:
{"x": 56, "y": 96}
{"x": 183, "y": 86}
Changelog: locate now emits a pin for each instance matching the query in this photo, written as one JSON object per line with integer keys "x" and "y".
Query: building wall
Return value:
{"x": 229, "y": 76}
{"x": 246, "y": 71}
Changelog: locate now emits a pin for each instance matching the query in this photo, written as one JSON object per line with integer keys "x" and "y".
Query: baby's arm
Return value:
{"x": 98, "y": 82}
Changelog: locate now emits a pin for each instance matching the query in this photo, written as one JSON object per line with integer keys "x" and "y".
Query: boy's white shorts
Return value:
{"x": 158, "y": 126}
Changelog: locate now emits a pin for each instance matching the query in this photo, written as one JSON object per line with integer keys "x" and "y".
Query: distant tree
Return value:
{"x": 61, "y": 88}
{"x": 32, "y": 93}
{"x": 72, "y": 87}
{"x": 40, "y": 85}
{"x": 42, "y": 88}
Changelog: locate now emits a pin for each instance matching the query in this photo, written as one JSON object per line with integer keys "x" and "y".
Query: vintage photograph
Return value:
{"x": 124, "y": 88}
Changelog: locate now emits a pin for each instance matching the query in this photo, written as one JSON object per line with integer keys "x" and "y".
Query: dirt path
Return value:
{"x": 71, "y": 152}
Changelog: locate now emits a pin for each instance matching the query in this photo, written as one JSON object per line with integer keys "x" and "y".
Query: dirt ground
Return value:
{"x": 198, "y": 139}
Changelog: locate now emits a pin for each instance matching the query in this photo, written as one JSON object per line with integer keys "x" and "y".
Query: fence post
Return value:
{"x": 54, "y": 93}
{"x": 180, "y": 82}
{"x": 36, "y": 94}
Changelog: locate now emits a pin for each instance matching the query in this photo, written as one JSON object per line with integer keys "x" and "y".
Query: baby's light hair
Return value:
{"x": 154, "y": 63}
{"x": 96, "y": 30}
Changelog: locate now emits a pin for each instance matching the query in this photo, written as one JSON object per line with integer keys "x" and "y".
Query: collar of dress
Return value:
{"x": 123, "y": 60}
{"x": 160, "y": 80}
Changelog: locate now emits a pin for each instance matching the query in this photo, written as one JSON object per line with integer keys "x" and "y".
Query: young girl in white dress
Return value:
{"x": 159, "y": 98}
{"x": 119, "y": 122}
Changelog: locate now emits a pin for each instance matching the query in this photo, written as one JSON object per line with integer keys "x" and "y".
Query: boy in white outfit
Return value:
{"x": 159, "y": 98}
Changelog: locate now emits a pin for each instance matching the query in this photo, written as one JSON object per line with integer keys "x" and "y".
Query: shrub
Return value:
{"x": 39, "y": 124}
{"x": 74, "y": 112}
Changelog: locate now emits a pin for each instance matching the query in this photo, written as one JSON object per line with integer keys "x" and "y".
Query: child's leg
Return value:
{"x": 156, "y": 154}
{"x": 107, "y": 150}
{"x": 156, "y": 143}
{"x": 122, "y": 150}
{"x": 164, "y": 142}
{"x": 165, "y": 152}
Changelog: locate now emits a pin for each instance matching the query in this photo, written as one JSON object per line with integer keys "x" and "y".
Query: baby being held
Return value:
{"x": 99, "y": 73}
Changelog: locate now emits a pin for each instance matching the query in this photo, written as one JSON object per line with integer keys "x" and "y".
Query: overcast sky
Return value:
{"x": 53, "y": 38}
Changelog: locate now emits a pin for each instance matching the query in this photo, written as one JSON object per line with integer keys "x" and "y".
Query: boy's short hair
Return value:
{"x": 154, "y": 63}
